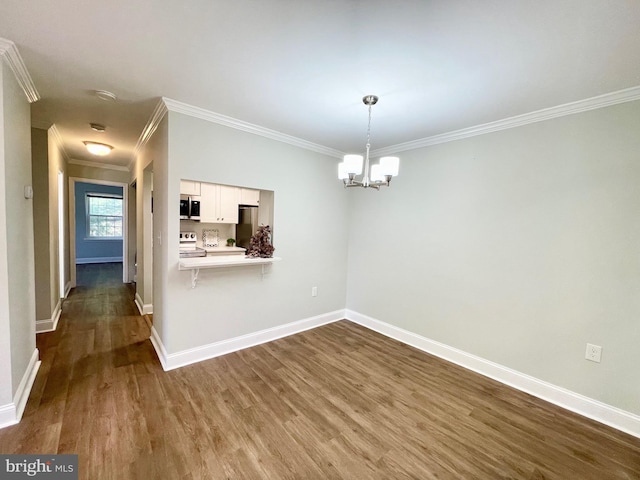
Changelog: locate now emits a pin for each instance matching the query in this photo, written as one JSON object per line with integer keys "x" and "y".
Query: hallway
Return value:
{"x": 99, "y": 274}
{"x": 83, "y": 397}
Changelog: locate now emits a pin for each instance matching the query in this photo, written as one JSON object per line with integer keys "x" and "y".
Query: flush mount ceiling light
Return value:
{"x": 98, "y": 148}
{"x": 105, "y": 95}
{"x": 374, "y": 177}
{"x": 97, "y": 127}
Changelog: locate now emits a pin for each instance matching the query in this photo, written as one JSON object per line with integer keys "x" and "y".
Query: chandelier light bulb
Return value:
{"x": 353, "y": 164}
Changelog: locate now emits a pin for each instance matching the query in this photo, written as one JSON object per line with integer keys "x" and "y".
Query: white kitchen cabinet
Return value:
{"x": 218, "y": 203}
{"x": 187, "y": 187}
{"x": 249, "y": 196}
{"x": 208, "y": 203}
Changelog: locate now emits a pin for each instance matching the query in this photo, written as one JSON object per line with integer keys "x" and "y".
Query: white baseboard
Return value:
{"x": 159, "y": 348}
{"x": 143, "y": 308}
{"x": 24, "y": 389}
{"x": 50, "y": 324}
{"x": 80, "y": 261}
{"x": 11, "y": 413}
{"x": 585, "y": 406}
{"x": 8, "y": 415}
{"x": 67, "y": 289}
{"x": 170, "y": 361}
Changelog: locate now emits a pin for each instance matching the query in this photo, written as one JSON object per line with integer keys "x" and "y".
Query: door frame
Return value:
{"x": 72, "y": 224}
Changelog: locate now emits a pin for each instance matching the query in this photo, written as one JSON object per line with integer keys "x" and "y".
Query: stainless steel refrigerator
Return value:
{"x": 247, "y": 225}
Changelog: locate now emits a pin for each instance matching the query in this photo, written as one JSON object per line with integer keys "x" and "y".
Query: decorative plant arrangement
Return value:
{"x": 260, "y": 245}
{"x": 231, "y": 242}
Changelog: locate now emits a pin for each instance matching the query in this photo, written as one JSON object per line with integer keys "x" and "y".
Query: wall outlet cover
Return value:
{"x": 593, "y": 353}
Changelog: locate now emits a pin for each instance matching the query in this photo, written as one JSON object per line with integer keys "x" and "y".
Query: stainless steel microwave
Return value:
{"x": 189, "y": 207}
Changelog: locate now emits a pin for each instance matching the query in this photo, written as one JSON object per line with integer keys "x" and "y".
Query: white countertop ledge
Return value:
{"x": 224, "y": 249}
{"x": 219, "y": 261}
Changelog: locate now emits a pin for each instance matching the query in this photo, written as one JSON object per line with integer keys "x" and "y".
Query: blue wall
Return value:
{"x": 94, "y": 251}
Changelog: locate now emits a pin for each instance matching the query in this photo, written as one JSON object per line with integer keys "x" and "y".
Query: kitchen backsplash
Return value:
{"x": 225, "y": 230}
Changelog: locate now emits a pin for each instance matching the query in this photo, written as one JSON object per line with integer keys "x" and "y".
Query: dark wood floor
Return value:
{"x": 337, "y": 402}
{"x": 99, "y": 274}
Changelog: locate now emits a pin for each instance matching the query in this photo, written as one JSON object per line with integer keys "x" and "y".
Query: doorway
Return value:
{"x": 98, "y": 220}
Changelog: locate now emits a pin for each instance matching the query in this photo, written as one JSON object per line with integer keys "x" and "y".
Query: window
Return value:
{"x": 104, "y": 216}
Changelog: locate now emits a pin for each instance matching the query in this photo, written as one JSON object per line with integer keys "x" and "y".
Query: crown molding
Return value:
{"x": 59, "y": 141}
{"x": 148, "y": 130}
{"x": 9, "y": 51}
{"x": 151, "y": 126}
{"x": 593, "y": 103}
{"x": 201, "y": 113}
{"x": 40, "y": 125}
{"x": 86, "y": 163}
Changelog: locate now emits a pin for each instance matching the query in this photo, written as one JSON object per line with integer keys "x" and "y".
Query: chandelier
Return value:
{"x": 374, "y": 176}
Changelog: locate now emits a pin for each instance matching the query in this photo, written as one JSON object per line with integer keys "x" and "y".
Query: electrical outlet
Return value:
{"x": 314, "y": 291}
{"x": 594, "y": 353}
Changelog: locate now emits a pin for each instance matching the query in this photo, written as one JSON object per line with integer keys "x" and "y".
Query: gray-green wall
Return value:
{"x": 518, "y": 246}
{"x": 17, "y": 293}
{"x": 310, "y": 228}
{"x": 40, "y": 175}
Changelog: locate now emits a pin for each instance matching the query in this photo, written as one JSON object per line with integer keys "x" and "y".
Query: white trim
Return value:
{"x": 170, "y": 361}
{"x": 85, "y": 260}
{"x": 159, "y": 348}
{"x": 24, "y": 389}
{"x": 8, "y": 415}
{"x": 67, "y": 288}
{"x": 585, "y": 406}
{"x": 62, "y": 235}
{"x": 9, "y": 51}
{"x": 600, "y": 101}
{"x": 606, "y": 100}
{"x": 57, "y": 137}
{"x": 201, "y": 113}
{"x": 11, "y": 413}
{"x": 50, "y": 324}
{"x": 72, "y": 225}
{"x": 85, "y": 163}
{"x": 149, "y": 129}
{"x": 143, "y": 308}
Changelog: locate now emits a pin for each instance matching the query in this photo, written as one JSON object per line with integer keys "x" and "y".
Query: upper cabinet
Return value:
{"x": 219, "y": 203}
{"x": 249, "y": 196}
{"x": 187, "y": 187}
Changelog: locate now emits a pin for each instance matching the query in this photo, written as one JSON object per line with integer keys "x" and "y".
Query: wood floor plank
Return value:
{"x": 335, "y": 402}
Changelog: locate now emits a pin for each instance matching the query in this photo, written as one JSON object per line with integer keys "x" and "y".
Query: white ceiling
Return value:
{"x": 302, "y": 67}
